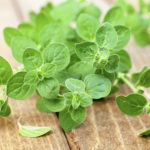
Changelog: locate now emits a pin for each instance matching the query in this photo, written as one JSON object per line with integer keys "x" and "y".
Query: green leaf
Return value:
{"x": 31, "y": 131}
{"x": 51, "y": 33}
{"x": 66, "y": 11}
{"x": 4, "y": 108}
{"x": 92, "y": 10}
{"x": 114, "y": 89}
{"x": 41, "y": 105}
{"x": 31, "y": 78}
{"x": 86, "y": 27}
{"x": 106, "y": 36}
{"x": 79, "y": 114}
{"x": 142, "y": 38}
{"x": 66, "y": 122}
{"x": 125, "y": 61}
{"x": 97, "y": 86}
{"x": 19, "y": 44}
{"x": 145, "y": 133}
{"x": 144, "y": 79}
{"x": 55, "y": 53}
{"x": 48, "y": 88}
{"x": 112, "y": 65}
{"x": 85, "y": 99}
{"x": 27, "y": 30}
{"x": 50, "y": 105}
{"x": 41, "y": 20}
{"x": 136, "y": 23}
{"x": 136, "y": 76}
{"x": 48, "y": 70}
{"x": 132, "y": 105}
{"x": 148, "y": 109}
{"x": 81, "y": 68}
{"x": 115, "y": 16}
{"x": 32, "y": 59}
{"x": 110, "y": 76}
{"x": 75, "y": 85}
{"x": 64, "y": 75}
{"x": 123, "y": 36}
{"x": 86, "y": 51}
{"x": 75, "y": 102}
{"x": 101, "y": 59}
{"x": 5, "y": 71}
{"x": 17, "y": 89}
{"x": 9, "y": 34}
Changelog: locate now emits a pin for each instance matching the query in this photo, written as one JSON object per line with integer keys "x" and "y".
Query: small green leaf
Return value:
{"x": 114, "y": 89}
{"x": 62, "y": 76}
{"x": 101, "y": 59}
{"x": 106, "y": 36}
{"x": 123, "y": 37}
{"x": 144, "y": 79}
{"x": 75, "y": 102}
{"x": 50, "y": 105}
{"x": 48, "y": 70}
{"x": 79, "y": 114}
{"x": 48, "y": 88}
{"x": 32, "y": 59}
{"x": 27, "y": 30}
{"x": 17, "y": 89}
{"x": 112, "y": 65}
{"x": 85, "y": 99}
{"x": 66, "y": 11}
{"x": 81, "y": 68}
{"x": 41, "y": 20}
{"x": 125, "y": 61}
{"x": 66, "y": 122}
{"x": 136, "y": 76}
{"x": 41, "y": 105}
{"x": 148, "y": 109}
{"x": 86, "y": 51}
{"x": 145, "y": 133}
{"x": 75, "y": 85}
{"x": 86, "y": 27}
{"x": 9, "y": 34}
{"x": 132, "y": 105}
{"x": 31, "y": 78}
{"x": 51, "y": 33}
{"x": 31, "y": 131}
{"x": 5, "y": 71}
{"x": 19, "y": 44}
{"x": 136, "y": 23}
{"x": 55, "y": 53}
{"x": 115, "y": 16}
{"x": 110, "y": 76}
{"x": 4, "y": 108}
{"x": 92, "y": 10}
{"x": 142, "y": 38}
{"x": 97, "y": 86}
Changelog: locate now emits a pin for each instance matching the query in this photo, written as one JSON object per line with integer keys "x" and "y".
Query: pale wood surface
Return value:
{"x": 105, "y": 128}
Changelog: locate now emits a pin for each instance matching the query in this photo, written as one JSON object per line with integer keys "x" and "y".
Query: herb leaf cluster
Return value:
{"x": 69, "y": 58}
{"x": 137, "y": 19}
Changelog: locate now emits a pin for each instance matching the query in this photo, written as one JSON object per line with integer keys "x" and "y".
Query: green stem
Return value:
{"x": 122, "y": 76}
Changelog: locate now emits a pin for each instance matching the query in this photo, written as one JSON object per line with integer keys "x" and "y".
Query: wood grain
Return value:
{"x": 105, "y": 127}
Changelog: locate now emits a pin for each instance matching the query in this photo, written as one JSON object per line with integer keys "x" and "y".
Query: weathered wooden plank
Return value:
{"x": 9, "y": 135}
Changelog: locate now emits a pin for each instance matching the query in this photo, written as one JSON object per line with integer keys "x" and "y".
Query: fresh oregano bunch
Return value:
{"x": 137, "y": 19}
{"x": 69, "y": 57}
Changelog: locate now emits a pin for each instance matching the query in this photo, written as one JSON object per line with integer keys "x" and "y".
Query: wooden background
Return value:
{"x": 105, "y": 128}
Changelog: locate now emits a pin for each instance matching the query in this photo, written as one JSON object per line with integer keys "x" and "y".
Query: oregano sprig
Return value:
{"x": 69, "y": 58}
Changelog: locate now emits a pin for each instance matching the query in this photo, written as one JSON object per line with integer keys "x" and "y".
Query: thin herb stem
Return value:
{"x": 122, "y": 76}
